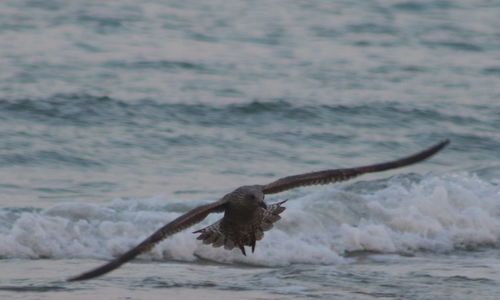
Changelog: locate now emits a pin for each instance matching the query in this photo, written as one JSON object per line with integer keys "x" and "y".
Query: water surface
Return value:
{"x": 118, "y": 116}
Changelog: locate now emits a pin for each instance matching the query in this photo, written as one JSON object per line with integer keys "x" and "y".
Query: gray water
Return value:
{"x": 118, "y": 116}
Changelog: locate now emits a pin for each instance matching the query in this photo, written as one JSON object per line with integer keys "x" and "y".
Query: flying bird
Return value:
{"x": 246, "y": 215}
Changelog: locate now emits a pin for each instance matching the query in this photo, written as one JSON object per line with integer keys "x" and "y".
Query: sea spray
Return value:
{"x": 403, "y": 214}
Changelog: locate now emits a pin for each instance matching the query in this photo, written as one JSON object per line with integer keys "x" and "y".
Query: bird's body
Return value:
{"x": 241, "y": 228}
{"x": 246, "y": 216}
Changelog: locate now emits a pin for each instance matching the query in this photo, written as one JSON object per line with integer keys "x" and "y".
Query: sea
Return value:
{"x": 118, "y": 116}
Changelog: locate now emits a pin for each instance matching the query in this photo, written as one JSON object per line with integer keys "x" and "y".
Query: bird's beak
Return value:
{"x": 263, "y": 205}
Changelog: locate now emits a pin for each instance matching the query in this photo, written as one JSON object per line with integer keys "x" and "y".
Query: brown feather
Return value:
{"x": 335, "y": 175}
{"x": 186, "y": 220}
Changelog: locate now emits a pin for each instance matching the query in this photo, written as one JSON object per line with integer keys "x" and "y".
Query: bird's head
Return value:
{"x": 249, "y": 196}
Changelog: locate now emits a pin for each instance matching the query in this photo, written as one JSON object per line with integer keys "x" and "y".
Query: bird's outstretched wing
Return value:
{"x": 335, "y": 175}
{"x": 186, "y": 220}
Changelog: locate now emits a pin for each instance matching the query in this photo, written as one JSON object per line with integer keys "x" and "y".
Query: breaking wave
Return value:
{"x": 402, "y": 215}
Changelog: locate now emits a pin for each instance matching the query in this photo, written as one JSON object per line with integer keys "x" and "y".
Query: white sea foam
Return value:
{"x": 431, "y": 213}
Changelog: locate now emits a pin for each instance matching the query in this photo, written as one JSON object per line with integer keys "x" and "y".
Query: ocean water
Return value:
{"x": 118, "y": 116}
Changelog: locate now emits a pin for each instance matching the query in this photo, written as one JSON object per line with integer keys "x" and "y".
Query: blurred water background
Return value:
{"x": 117, "y": 116}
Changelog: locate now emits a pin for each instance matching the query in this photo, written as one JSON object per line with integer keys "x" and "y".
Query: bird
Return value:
{"x": 246, "y": 215}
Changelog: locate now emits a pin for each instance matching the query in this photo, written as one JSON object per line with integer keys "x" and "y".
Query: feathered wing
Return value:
{"x": 335, "y": 175}
{"x": 186, "y": 220}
